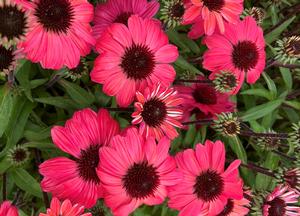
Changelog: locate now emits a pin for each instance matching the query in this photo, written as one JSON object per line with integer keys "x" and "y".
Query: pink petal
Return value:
{"x": 166, "y": 54}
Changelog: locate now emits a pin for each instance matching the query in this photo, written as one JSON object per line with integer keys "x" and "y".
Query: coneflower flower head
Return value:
{"x": 290, "y": 177}
{"x": 288, "y": 50}
{"x": 79, "y": 71}
{"x": 14, "y": 22}
{"x": 8, "y": 59}
{"x": 238, "y": 207}
{"x": 227, "y": 124}
{"x": 172, "y": 13}
{"x": 282, "y": 201}
{"x": 257, "y": 13}
{"x": 18, "y": 155}
{"x": 294, "y": 136}
{"x": 268, "y": 143}
{"x": 225, "y": 82}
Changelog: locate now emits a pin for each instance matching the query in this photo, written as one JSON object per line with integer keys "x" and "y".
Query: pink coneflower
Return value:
{"x": 119, "y": 11}
{"x": 214, "y": 13}
{"x": 205, "y": 185}
{"x": 236, "y": 207}
{"x": 133, "y": 58}
{"x": 135, "y": 171}
{"x": 14, "y": 22}
{"x": 7, "y": 209}
{"x": 59, "y": 32}
{"x": 64, "y": 209}
{"x": 291, "y": 178}
{"x": 204, "y": 97}
{"x": 197, "y": 29}
{"x": 157, "y": 112}
{"x": 281, "y": 202}
{"x": 9, "y": 58}
{"x": 240, "y": 50}
{"x": 82, "y": 137}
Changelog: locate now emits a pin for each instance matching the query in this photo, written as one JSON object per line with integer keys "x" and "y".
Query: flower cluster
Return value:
{"x": 128, "y": 169}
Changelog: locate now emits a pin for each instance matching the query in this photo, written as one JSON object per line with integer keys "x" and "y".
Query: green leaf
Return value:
{"x": 23, "y": 76}
{"x": 78, "y": 94}
{"x": 40, "y": 145}
{"x": 37, "y": 82}
{"x": 192, "y": 45}
{"x": 275, "y": 33}
{"x": 37, "y": 135}
{"x": 183, "y": 64}
{"x": 26, "y": 182}
{"x": 271, "y": 85}
{"x": 292, "y": 115}
{"x": 263, "y": 182}
{"x": 261, "y": 110}
{"x": 274, "y": 13}
{"x": 190, "y": 136}
{"x": 294, "y": 104}
{"x": 287, "y": 77}
{"x": 21, "y": 213}
{"x": 258, "y": 92}
{"x": 238, "y": 148}
{"x": 5, "y": 109}
{"x": 4, "y": 165}
{"x": 60, "y": 102}
{"x": 175, "y": 38}
{"x": 19, "y": 117}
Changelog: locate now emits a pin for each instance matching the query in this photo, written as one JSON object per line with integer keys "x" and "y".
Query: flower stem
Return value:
{"x": 293, "y": 95}
{"x": 16, "y": 201}
{"x": 53, "y": 80}
{"x": 193, "y": 81}
{"x": 199, "y": 122}
{"x": 284, "y": 155}
{"x": 196, "y": 59}
{"x": 250, "y": 133}
{"x": 4, "y": 186}
{"x": 258, "y": 169}
{"x": 38, "y": 162}
{"x": 120, "y": 109}
{"x": 60, "y": 74}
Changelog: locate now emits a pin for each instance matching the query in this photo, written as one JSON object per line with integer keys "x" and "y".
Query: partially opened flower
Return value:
{"x": 206, "y": 186}
{"x": 203, "y": 96}
{"x": 133, "y": 58}
{"x": 59, "y": 32}
{"x": 119, "y": 11}
{"x": 82, "y": 137}
{"x": 213, "y": 13}
{"x": 291, "y": 178}
{"x": 227, "y": 82}
{"x": 157, "y": 112}
{"x": 7, "y": 209}
{"x": 14, "y": 22}
{"x": 9, "y": 58}
{"x": 236, "y": 207}
{"x": 64, "y": 209}
{"x": 135, "y": 171}
{"x": 241, "y": 50}
{"x": 197, "y": 29}
{"x": 282, "y": 201}
{"x": 288, "y": 50}
{"x": 256, "y": 12}
{"x": 172, "y": 13}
